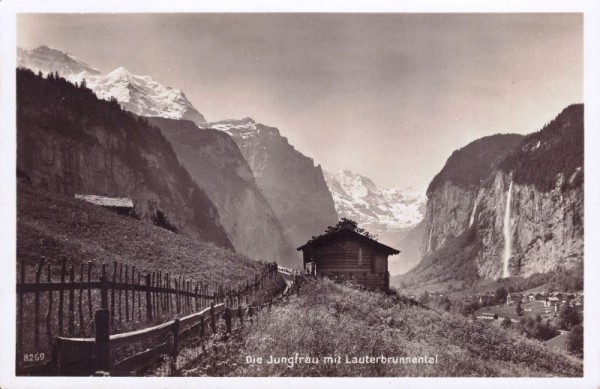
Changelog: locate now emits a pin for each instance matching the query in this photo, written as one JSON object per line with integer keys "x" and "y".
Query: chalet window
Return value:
{"x": 360, "y": 256}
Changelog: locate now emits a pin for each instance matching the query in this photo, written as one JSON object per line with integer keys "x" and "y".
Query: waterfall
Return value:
{"x": 473, "y": 213}
{"x": 429, "y": 240}
{"x": 506, "y": 233}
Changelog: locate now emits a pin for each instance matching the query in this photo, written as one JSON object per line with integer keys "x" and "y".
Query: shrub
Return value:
{"x": 160, "y": 219}
{"x": 501, "y": 295}
{"x": 519, "y": 308}
{"x": 568, "y": 317}
{"x": 575, "y": 341}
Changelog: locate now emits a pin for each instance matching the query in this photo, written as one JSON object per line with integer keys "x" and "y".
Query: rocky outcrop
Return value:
{"x": 290, "y": 182}
{"x": 447, "y": 215}
{"x": 216, "y": 164}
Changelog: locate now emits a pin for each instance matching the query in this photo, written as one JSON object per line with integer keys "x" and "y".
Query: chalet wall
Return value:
{"x": 347, "y": 258}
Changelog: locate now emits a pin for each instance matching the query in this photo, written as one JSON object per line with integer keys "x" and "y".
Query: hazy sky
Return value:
{"x": 389, "y": 96}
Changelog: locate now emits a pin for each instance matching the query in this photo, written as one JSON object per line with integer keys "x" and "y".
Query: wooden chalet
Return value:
{"x": 122, "y": 205}
{"x": 348, "y": 254}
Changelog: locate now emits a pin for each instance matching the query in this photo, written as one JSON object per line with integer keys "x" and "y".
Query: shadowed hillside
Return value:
{"x": 218, "y": 167}
{"x": 69, "y": 141}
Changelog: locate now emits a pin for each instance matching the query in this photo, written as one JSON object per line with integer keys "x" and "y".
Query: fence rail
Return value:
{"x": 137, "y": 299}
{"x": 93, "y": 355}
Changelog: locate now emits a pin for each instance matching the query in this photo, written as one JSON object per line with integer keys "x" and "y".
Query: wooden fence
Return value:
{"x": 129, "y": 299}
{"x": 93, "y": 355}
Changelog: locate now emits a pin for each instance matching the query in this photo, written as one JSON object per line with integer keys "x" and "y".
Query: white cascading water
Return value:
{"x": 429, "y": 240}
{"x": 506, "y": 233}
{"x": 473, "y": 213}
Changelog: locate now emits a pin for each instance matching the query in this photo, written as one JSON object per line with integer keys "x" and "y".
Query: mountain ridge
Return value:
{"x": 292, "y": 184}
{"x": 524, "y": 217}
{"x": 141, "y": 95}
{"x": 219, "y": 168}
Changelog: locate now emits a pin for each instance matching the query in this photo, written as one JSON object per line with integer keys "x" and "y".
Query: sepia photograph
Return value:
{"x": 299, "y": 194}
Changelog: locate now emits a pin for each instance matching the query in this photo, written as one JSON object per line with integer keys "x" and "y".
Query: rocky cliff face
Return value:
{"x": 452, "y": 192}
{"x": 219, "y": 168}
{"x": 545, "y": 228}
{"x": 70, "y": 142}
{"x": 292, "y": 185}
{"x": 535, "y": 229}
{"x": 447, "y": 215}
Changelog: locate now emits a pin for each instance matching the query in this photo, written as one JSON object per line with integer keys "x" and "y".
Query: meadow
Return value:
{"x": 329, "y": 319}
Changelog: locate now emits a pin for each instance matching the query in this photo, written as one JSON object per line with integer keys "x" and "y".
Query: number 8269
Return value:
{"x": 33, "y": 357}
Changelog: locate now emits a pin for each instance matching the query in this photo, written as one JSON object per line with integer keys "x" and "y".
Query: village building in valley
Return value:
{"x": 346, "y": 253}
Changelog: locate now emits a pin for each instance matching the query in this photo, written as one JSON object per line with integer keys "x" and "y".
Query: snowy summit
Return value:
{"x": 138, "y": 94}
{"x": 358, "y": 198}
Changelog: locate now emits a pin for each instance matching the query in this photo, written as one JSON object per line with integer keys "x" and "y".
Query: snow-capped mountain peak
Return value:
{"x": 120, "y": 73}
{"x": 46, "y": 59}
{"x": 139, "y": 94}
{"x": 243, "y": 128}
{"x": 378, "y": 210}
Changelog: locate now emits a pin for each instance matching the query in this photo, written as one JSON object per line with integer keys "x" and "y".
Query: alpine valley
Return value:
{"x": 262, "y": 189}
{"x": 502, "y": 206}
{"x": 505, "y": 206}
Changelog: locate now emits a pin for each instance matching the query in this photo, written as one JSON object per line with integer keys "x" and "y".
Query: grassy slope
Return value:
{"x": 53, "y": 226}
{"x": 331, "y": 319}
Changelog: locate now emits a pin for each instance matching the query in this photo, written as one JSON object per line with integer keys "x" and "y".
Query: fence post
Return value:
{"x": 72, "y": 302}
{"x": 112, "y": 292}
{"x": 103, "y": 291}
{"x": 196, "y": 305}
{"x": 227, "y": 316}
{"x": 102, "y": 338}
{"x": 175, "y": 330}
{"x": 202, "y": 327}
{"x": 38, "y": 275}
{"x": 63, "y": 271}
{"x": 148, "y": 299}
{"x": 213, "y": 324}
{"x": 247, "y": 291}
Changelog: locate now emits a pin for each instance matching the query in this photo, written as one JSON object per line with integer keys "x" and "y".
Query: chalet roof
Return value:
{"x": 322, "y": 239}
{"x": 117, "y": 202}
